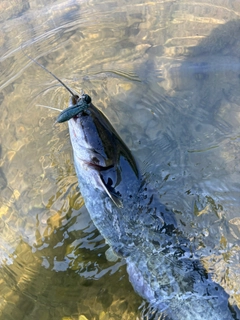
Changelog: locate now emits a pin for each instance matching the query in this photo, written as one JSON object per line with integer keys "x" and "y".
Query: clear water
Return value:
{"x": 167, "y": 75}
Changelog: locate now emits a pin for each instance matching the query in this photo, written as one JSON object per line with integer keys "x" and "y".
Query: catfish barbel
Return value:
{"x": 161, "y": 263}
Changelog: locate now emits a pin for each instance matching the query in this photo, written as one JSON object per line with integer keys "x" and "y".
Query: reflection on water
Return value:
{"x": 166, "y": 74}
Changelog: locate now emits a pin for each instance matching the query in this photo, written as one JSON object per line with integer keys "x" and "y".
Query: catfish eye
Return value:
{"x": 95, "y": 160}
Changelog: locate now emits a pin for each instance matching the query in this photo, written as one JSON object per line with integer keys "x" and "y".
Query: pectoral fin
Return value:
{"x": 110, "y": 192}
{"x": 111, "y": 255}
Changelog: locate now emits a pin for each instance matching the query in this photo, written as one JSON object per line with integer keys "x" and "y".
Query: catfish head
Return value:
{"x": 101, "y": 157}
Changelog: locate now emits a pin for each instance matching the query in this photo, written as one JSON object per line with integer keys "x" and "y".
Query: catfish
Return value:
{"x": 161, "y": 262}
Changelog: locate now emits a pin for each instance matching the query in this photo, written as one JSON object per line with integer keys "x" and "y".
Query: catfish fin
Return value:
{"x": 115, "y": 199}
{"x": 111, "y": 255}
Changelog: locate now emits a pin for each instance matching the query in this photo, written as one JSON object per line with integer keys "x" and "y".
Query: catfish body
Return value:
{"x": 160, "y": 261}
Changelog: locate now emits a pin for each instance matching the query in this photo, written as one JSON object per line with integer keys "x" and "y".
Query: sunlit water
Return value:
{"x": 167, "y": 75}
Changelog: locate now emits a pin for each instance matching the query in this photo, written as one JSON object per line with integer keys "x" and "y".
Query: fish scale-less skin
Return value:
{"x": 160, "y": 261}
{"x": 158, "y": 277}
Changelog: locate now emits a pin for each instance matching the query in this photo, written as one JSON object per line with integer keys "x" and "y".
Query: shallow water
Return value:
{"x": 167, "y": 75}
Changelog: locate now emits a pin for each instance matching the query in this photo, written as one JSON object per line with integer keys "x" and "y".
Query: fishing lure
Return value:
{"x": 81, "y": 104}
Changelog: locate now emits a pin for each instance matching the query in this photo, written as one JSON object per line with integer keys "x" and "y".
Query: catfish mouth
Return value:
{"x": 75, "y": 117}
{"x": 98, "y": 167}
{"x": 78, "y": 115}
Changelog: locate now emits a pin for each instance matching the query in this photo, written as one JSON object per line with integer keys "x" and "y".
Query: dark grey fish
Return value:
{"x": 160, "y": 261}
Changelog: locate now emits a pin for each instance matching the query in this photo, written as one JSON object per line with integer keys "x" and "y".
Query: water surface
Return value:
{"x": 167, "y": 75}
